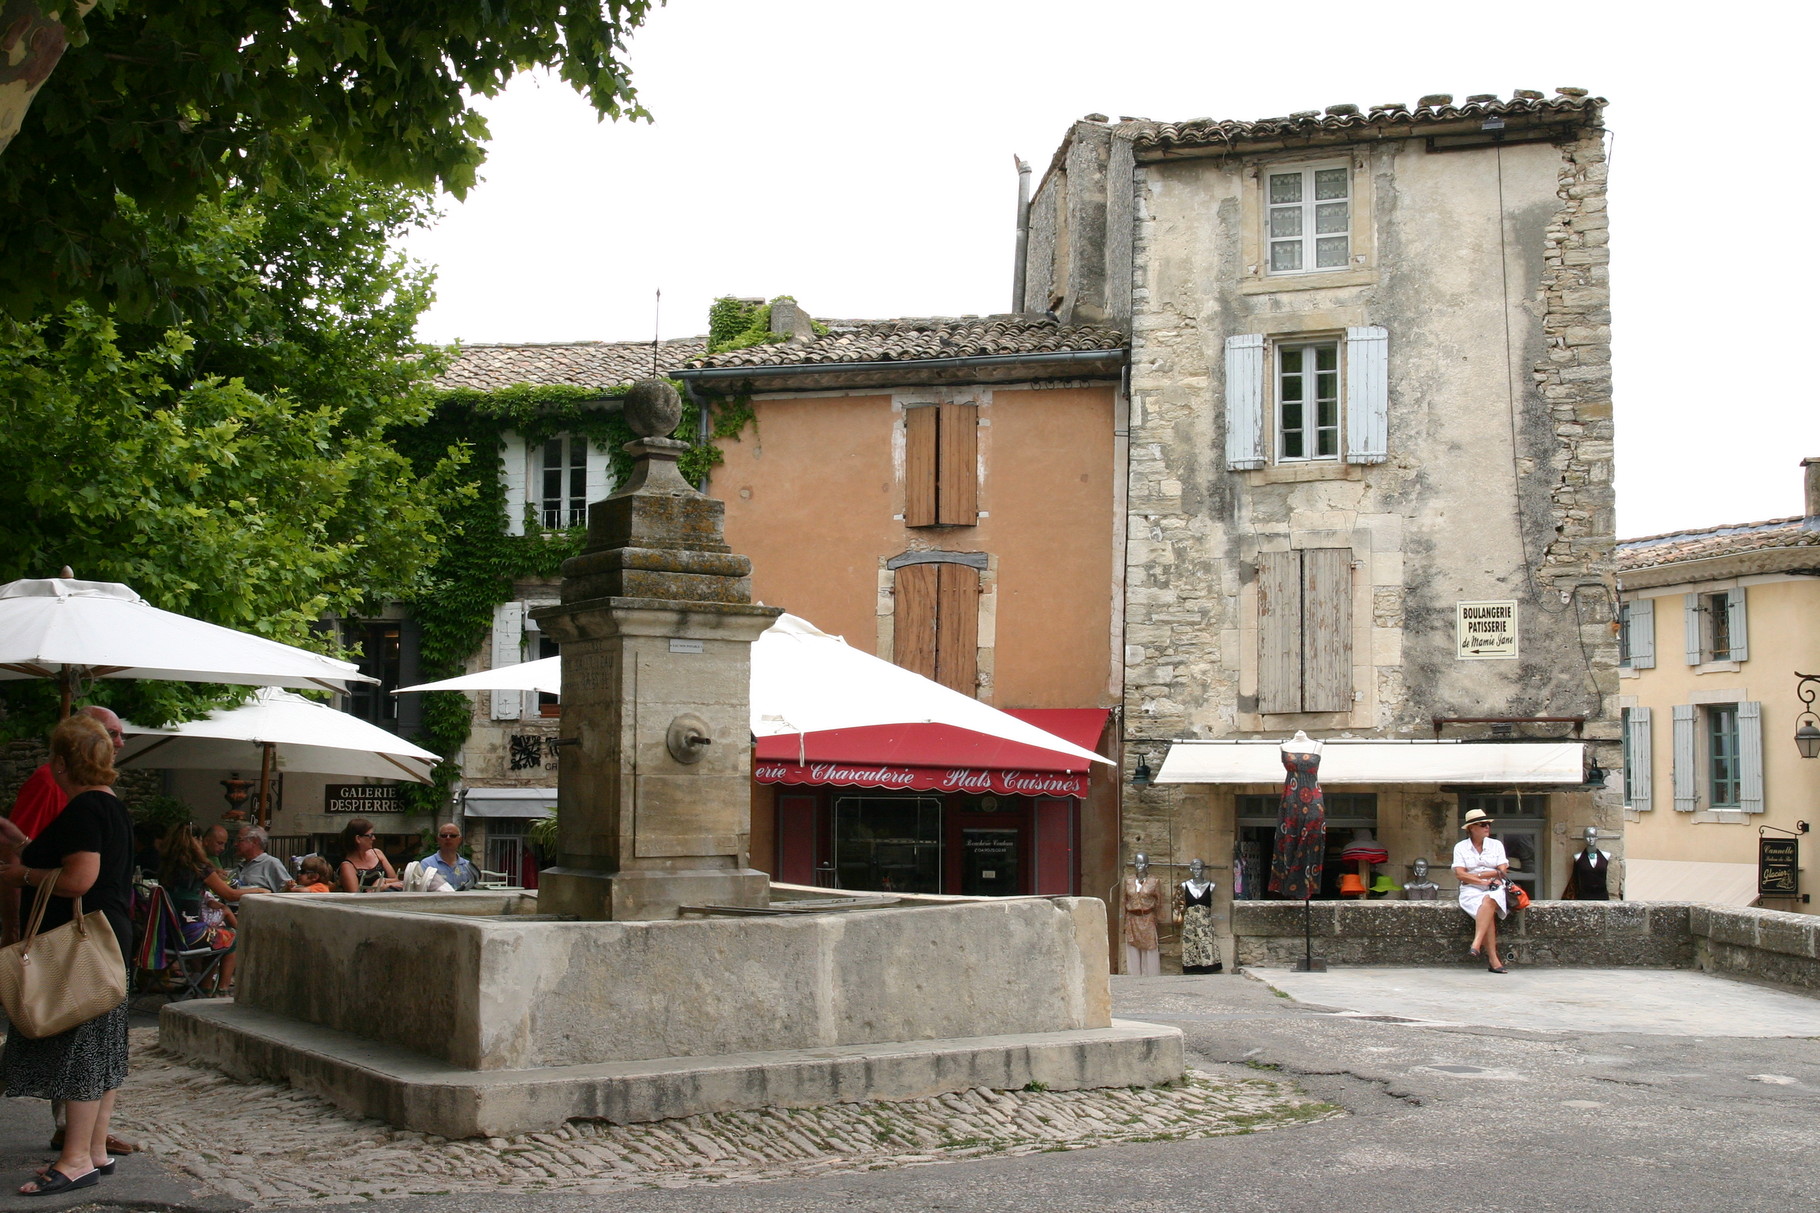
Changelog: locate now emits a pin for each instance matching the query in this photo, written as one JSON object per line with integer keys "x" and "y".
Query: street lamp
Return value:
{"x": 1807, "y": 736}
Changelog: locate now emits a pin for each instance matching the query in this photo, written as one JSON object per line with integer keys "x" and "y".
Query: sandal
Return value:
{"x": 1496, "y": 969}
{"x": 54, "y": 1180}
{"x": 104, "y": 1170}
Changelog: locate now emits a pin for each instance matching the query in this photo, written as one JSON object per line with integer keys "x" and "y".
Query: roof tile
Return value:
{"x": 1437, "y": 107}
{"x": 912, "y": 340}
{"x": 592, "y": 364}
{"x": 1680, "y": 546}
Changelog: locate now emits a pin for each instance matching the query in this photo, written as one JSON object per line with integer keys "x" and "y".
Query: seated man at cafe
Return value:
{"x": 457, "y": 872}
{"x": 258, "y": 870}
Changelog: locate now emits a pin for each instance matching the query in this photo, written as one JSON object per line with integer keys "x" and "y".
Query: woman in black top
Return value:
{"x": 87, "y": 852}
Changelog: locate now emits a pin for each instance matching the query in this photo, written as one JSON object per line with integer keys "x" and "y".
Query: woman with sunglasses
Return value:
{"x": 1480, "y": 863}
{"x": 364, "y": 867}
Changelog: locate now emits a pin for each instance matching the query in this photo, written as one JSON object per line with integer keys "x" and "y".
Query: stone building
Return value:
{"x": 1370, "y": 461}
{"x": 1718, "y": 626}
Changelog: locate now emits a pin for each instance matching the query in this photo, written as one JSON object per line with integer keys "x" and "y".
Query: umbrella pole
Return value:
{"x": 65, "y": 691}
{"x": 265, "y": 786}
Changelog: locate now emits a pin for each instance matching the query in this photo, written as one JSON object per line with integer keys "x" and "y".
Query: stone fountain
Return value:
{"x": 651, "y": 977}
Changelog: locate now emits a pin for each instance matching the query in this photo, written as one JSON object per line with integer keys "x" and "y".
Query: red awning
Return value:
{"x": 935, "y": 757}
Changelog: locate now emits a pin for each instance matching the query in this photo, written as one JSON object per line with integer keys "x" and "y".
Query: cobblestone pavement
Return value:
{"x": 271, "y": 1145}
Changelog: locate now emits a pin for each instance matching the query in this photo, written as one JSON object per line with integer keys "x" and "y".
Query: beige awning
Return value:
{"x": 1725, "y": 884}
{"x": 1505, "y": 764}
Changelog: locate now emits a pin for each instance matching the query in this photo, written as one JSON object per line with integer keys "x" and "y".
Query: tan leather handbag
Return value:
{"x": 49, "y": 983}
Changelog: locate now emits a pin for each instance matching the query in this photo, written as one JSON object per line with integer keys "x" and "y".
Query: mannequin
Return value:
{"x": 1139, "y": 896}
{"x": 1421, "y": 888}
{"x": 1301, "y": 838}
{"x": 1590, "y": 879}
{"x": 1194, "y": 911}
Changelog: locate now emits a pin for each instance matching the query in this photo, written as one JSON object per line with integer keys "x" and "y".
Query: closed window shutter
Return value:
{"x": 1736, "y": 625}
{"x": 600, "y": 474}
{"x": 1687, "y": 785}
{"x": 957, "y": 465}
{"x": 913, "y": 618}
{"x": 919, "y": 465}
{"x": 1696, "y": 635}
{"x": 1642, "y": 633}
{"x": 957, "y": 627}
{"x": 1245, "y": 401}
{"x": 1326, "y": 630}
{"x": 1280, "y": 632}
{"x": 508, "y": 649}
{"x": 513, "y": 464}
{"x": 1636, "y": 740}
{"x": 1367, "y": 394}
{"x": 1750, "y": 755}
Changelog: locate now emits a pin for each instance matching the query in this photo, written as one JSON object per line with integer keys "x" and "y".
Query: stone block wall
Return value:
{"x": 1766, "y": 945}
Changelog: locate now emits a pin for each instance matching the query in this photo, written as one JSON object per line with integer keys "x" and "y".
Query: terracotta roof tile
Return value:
{"x": 595, "y": 364}
{"x": 913, "y": 340}
{"x": 1680, "y": 546}
{"x": 1206, "y": 132}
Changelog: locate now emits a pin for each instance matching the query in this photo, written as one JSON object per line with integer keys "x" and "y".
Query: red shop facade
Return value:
{"x": 925, "y": 808}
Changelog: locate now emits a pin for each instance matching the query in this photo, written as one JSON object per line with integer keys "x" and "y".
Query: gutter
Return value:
{"x": 1057, "y": 360}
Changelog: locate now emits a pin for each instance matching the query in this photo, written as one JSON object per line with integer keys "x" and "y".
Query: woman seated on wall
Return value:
{"x": 1480, "y": 863}
{"x": 365, "y": 868}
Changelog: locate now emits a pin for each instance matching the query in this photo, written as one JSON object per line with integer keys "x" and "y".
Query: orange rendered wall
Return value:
{"x": 813, "y": 495}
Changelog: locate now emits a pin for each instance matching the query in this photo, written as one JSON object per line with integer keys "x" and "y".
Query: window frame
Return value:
{"x": 1305, "y": 347}
{"x": 1723, "y": 774}
{"x": 1307, "y": 209}
{"x": 571, "y": 508}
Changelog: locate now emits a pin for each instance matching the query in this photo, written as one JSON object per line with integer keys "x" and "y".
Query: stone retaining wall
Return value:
{"x": 1767, "y": 945}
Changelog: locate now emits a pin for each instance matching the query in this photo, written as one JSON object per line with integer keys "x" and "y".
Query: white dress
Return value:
{"x": 1480, "y": 863}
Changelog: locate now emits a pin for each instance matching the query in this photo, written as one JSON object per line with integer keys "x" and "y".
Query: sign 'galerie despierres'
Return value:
{"x": 1485, "y": 631}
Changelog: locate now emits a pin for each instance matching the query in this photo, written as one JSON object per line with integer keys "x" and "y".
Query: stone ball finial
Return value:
{"x": 652, "y": 408}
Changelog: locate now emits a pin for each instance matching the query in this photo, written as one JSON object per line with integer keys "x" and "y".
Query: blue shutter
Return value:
{"x": 1367, "y": 394}
{"x": 1636, "y": 741}
{"x": 1735, "y": 624}
{"x": 1696, "y": 635}
{"x": 1642, "y": 633}
{"x": 1687, "y": 784}
{"x": 1245, "y": 401}
{"x": 1750, "y": 754}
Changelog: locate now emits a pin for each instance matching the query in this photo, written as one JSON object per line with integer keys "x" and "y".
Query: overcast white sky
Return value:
{"x": 859, "y": 157}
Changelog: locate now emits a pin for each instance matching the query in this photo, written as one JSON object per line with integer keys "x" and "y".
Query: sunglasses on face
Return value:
{"x": 446, "y": 837}
{"x": 368, "y": 834}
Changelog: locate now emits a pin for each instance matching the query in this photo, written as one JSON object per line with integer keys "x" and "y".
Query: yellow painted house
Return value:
{"x": 1717, "y": 625}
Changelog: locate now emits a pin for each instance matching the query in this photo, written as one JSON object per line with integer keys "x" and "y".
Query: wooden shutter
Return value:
{"x": 1750, "y": 754}
{"x": 957, "y": 627}
{"x": 1367, "y": 394}
{"x": 508, "y": 649}
{"x": 513, "y": 463}
{"x": 1327, "y": 630}
{"x": 1054, "y": 846}
{"x": 1636, "y": 742}
{"x": 1735, "y": 624}
{"x": 600, "y": 473}
{"x": 1642, "y": 633}
{"x": 913, "y": 618}
{"x": 1245, "y": 401}
{"x": 1696, "y": 635}
{"x": 1280, "y": 632}
{"x": 957, "y": 465}
{"x": 796, "y": 838}
{"x": 1686, "y": 776}
{"x": 919, "y": 465}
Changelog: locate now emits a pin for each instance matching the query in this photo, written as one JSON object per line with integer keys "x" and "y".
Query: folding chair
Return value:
{"x": 197, "y": 968}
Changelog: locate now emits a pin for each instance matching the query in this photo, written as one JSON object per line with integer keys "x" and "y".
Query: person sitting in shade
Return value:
{"x": 313, "y": 876}
{"x": 364, "y": 868}
{"x": 447, "y": 871}
{"x": 258, "y": 869}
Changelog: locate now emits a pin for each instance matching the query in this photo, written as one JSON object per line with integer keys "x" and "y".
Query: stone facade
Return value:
{"x": 1475, "y": 257}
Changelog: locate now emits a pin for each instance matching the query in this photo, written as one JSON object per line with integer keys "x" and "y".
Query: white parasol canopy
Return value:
{"x": 67, "y": 630}
{"x": 806, "y": 681}
{"x": 302, "y": 736}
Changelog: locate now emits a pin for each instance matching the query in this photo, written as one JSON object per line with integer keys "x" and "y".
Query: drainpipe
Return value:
{"x": 1023, "y": 233}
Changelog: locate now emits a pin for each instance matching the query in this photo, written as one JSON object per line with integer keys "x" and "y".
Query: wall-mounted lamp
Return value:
{"x": 1140, "y": 778}
{"x": 1595, "y": 775}
{"x": 1807, "y": 735}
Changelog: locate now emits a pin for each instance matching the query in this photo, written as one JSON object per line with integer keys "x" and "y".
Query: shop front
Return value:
{"x": 926, "y": 808}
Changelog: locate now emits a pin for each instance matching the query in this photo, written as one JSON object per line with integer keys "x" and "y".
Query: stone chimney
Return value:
{"x": 789, "y": 319}
{"x": 1811, "y": 466}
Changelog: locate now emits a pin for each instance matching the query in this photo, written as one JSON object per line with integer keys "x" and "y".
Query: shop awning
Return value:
{"x": 509, "y": 802}
{"x": 936, "y": 758}
{"x": 1725, "y": 884}
{"x": 1506, "y": 764}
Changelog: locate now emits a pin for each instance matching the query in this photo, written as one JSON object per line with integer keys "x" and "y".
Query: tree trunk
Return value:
{"x": 32, "y": 40}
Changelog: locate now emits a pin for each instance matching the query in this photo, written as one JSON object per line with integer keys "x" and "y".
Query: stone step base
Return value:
{"x": 429, "y": 1096}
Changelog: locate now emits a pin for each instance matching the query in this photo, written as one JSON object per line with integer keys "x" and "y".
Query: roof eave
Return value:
{"x": 1518, "y": 127}
{"x": 983, "y": 368}
{"x": 1784, "y": 558}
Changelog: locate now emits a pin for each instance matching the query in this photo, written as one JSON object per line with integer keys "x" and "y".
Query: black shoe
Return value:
{"x": 1497, "y": 969}
{"x": 54, "y": 1180}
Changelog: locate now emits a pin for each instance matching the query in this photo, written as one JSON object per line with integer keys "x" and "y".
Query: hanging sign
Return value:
{"x": 1778, "y": 862}
{"x": 1485, "y": 631}
{"x": 923, "y": 779}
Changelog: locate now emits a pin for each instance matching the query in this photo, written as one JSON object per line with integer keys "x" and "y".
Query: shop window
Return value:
{"x": 1521, "y": 824}
{"x": 941, "y": 465}
{"x": 1347, "y": 813}
{"x": 935, "y": 623}
{"x": 888, "y": 843}
{"x": 1305, "y": 631}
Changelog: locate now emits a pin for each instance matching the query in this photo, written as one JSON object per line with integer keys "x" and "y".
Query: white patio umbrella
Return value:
{"x": 280, "y": 731}
{"x": 77, "y": 630}
{"x": 806, "y": 681}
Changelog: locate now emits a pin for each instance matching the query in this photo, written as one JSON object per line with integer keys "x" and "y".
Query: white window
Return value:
{"x": 1637, "y": 634}
{"x": 1637, "y": 759}
{"x": 562, "y": 482}
{"x": 1716, "y": 627}
{"x": 553, "y": 481}
{"x": 1719, "y": 757}
{"x": 1308, "y": 218}
{"x": 1329, "y": 399}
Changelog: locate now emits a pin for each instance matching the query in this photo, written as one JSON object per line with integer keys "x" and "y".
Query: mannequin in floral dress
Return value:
{"x": 1194, "y": 911}
{"x": 1301, "y": 839}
